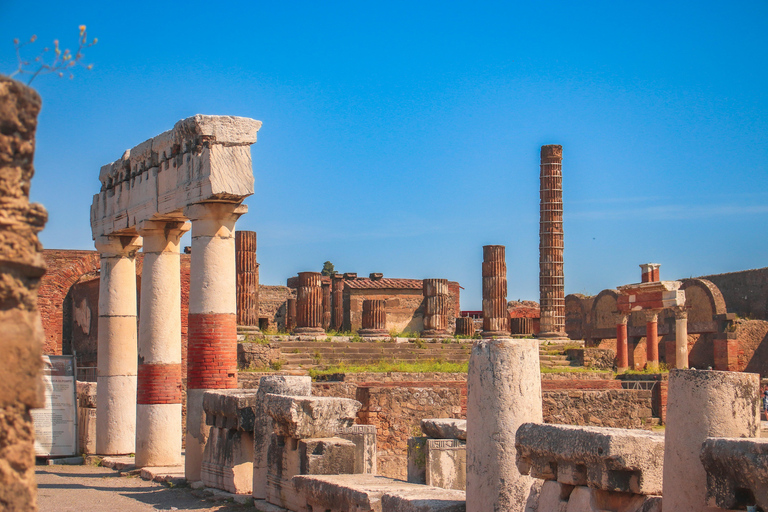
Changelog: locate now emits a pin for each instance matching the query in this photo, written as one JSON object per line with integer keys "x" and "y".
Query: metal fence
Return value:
{"x": 86, "y": 373}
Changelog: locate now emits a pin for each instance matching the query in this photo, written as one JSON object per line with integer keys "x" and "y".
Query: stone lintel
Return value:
{"x": 304, "y": 417}
{"x": 734, "y": 465}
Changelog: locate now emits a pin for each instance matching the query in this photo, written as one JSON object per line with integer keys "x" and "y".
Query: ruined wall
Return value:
{"x": 272, "y": 305}
{"x": 405, "y": 311}
{"x": 745, "y": 292}
{"x": 623, "y": 408}
{"x": 21, "y": 266}
{"x": 82, "y": 322}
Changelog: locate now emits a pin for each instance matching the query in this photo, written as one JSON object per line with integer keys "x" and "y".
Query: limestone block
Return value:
{"x": 228, "y": 460}
{"x": 230, "y": 408}
{"x": 586, "y": 499}
{"x": 447, "y": 464}
{"x": 86, "y": 429}
{"x": 609, "y": 459}
{"x": 86, "y": 394}
{"x": 737, "y": 472}
{"x": 554, "y": 496}
{"x": 417, "y": 460}
{"x": 364, "y": 438}
{"x": 428, "y": 499}
{"x": 444, "y": 428}
{"x": 301, "y": 417}
{"x": 326, "y": 456}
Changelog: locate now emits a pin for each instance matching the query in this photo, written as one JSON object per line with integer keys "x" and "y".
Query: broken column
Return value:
{"x": 551, "y": 276}
{"x": 247, "y": 269}
{"x": 326, "y": 305}
{"x": 212, "y": 345}
{"x": 290, "y": 315}
{"x": 117, "y": 346}
{"x": 374, "y": 318}
{"x": 702, "y": 404}
{"x": 622, "y": 347}
{"x": 504, "y": 391}
{"x": 436, "y": 308}
{"x": 495, "y": 314}
{"x": 337, "y": 302}
{"x": 158, "y": 410}
{"x": 681, "y": 337}
{"x": 309, "y": 304}
{"x": 652, "y": 339}
{"x": 465, "y": 326}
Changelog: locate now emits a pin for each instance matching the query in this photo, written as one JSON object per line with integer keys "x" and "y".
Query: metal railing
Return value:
{"x": 86, "y": 373}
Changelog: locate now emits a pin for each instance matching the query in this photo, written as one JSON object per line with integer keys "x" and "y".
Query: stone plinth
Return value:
{"x": 440, "y": 458}
{"x": 504, "y": 391}
{"x": 435, "y": 308}
{"x": 551, "y": 276}
{"x": 247, "y": 269}
{"x": 465, "y": 326}
{"x": 495, "y": 315}
{"x": 228, "y": 456}
{"x": 609, "y": 459}
{"x": 702, "y": 404}
{"x": 737, "y": 472}
{"x": 309, "y": 304}
{"x": 374, "y": 318}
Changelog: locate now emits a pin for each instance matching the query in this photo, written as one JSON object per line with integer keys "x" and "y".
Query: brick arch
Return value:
{"x": 65, "y": 269}
{"x": 703, "y": 300}
{"x": 604, "y": 311}
{"x": 575, "y": 316}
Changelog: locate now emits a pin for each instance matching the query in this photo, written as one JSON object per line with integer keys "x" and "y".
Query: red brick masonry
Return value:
{"x": 212, "y": 351}
{"x": 159, "y": 384}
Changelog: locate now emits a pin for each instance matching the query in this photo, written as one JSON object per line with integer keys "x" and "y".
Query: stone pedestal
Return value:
{"x": 622, "y": 348}
{"x": 247, "y": 289}
{"x": 309, "y": 304}
{"x": 117, "y": 346}
{"x": 652, "y": 340}
{"x": 495, "y": 314}
{"x": 702, "y": 404}
{"x": 212, "y": 345}
{"x": 435, "y": 308}
{"x": 551, "y": 276}
{"x": 374, "y": 318}
{"x": 440, "y": 458}
{"x": 504, "y": 391}
{"x": 681, "y": 338}
{"x": 158, "y": 412}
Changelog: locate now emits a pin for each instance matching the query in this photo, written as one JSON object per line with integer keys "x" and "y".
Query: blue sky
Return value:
{"x": 401, "y": 137}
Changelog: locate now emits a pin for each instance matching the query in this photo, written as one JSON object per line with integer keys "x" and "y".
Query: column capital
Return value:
{"x": 652, "y": 315}
{"x": 623, "y": 318}
{"x": 161, "y": 235}
{"x": 681, "y": 313}
{"x": 118, "y": 245}
{"x": 214, "y": 219}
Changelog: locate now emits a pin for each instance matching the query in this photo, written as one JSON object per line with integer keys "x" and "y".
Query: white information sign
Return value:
{"x": 55, "y": 424}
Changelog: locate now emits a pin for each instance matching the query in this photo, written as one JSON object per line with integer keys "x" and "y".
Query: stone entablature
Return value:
{"x": 649, "y": 296}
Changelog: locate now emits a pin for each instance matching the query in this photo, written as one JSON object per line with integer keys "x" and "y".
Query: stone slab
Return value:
{"x": 734, "y": 465}
{"x": 444, "y": 428}
{"x": 304, "y": 417}
{"x": 230, "y": 408}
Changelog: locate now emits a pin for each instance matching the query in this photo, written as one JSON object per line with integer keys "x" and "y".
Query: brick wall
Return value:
{"x": 745, "y": 292}
{"x": 272, "y": 305}
{"x": 212, "y": 356}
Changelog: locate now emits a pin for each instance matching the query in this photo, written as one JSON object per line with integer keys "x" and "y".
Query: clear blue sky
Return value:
{"x": 400, "y": 137}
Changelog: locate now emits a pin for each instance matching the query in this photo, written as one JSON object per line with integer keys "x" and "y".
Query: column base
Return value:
{"x": 494, "y": 334}
{"x": 309, "y": 330}
{"x": 373, "y": 332}
{"x": 552, "y": 336}
{"x": 431, "y": 333}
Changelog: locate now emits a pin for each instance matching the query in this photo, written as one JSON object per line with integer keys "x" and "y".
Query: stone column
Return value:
{"x": 702, "y": 404}
{"x": 158, "y": 410}
{"x": 495, "y": 314}
{"x": 652, "y": 339}
{"x": 504, "y": 391}
{"x": 212, "y": 344}
{"x": 290, "y": 315}
{"x": 465, "y": 326}
{"x": 309, "y": 304}
{"x": 337, "y": 302}
{"x": 117, "y": 357}
{"x": 436, "y": 308}
{"x": 622, "y": 348}
{"x": 551, "y": 277}
{"x": 681, "y": 338}
{"x": 326, "y": 306}
{"x": 247, "y": 279}
{"x": 374, "y": 318}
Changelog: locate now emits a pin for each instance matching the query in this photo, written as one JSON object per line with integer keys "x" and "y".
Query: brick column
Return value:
{"x": 551, "y": 277}
{"x": 622, "y": 348}
{"x": 158, "y": 410}
{"x": 117, "y": 348}
{"x": 212, "y": 345}
{"x": 309, "y": 304}
{"x": 495, "y": 314}
{"x": 337, "y": 302}
{"x": 681, "y": 338}
{"x": 290, "y": 315}
{"x": 247, "y": 279}
{"x": 652, "y": 339}
{"x": 436, "y": 308}
{"x": 374, "y": 318}
{"x": 326, "y": 306}
{"x": 465, "y": 326}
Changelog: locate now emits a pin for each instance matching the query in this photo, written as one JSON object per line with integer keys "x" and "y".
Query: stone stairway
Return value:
{"x": 553, "y": 356}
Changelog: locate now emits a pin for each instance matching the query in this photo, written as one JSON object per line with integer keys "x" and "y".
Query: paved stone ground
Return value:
{"x": 97, "y": 489}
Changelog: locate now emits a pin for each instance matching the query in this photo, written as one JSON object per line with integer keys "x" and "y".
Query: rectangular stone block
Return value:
{"x": 364, "y": 438}
{"x": 86, "y": 430}
{"x": 305, "y": 417}
{"x": 230, "y": 408}
{"x": 447, "y": 464}
{"x": 329, "y": 456}
{"x": 737, "y": 472}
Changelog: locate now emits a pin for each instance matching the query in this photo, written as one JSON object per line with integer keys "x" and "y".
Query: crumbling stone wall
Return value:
{"x": 745, "y": 292}
{"x": 21, "y": 266}
{"x": 272, "y": 305}
{"x": 623, "y": 408}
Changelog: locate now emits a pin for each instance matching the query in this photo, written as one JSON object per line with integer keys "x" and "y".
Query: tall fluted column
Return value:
{"x": 212, "y": 345}
{"x": 436, "y": 308}
{"x": 652, "y": 339}
{"x": 495, "y": 314}
{"x": 622, "y": 347}
{"x": 551, "y": 277}
{"x": 374, "y": 318}
{"x": 158, "y": 410}
{"x": 309, "y": 304}
{"x": 681, "y": 338}
{"x": 247, "y": 279}
{"x": 337, "y": 302}
{"x": 326, "y": 306}
{"x": 117, "y": 348}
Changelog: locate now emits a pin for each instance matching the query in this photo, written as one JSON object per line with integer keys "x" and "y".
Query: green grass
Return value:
{"x": 389, "y": 366}
{"x": 545, "y": 369}
{"x": 663, "y": 368}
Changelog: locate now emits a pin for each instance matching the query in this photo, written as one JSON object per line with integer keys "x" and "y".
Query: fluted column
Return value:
{"x": 158, "y": 410}
{"x": 436, "y": 308}
{"x": 337, "y": 302}
{"x": 247, "y": 279}
{"x": 622, "y": 348}
{"x": 374, "y": 318}
{"x": 652, "y": 339}
{"x": 495, "y": 314}
{"x": 290, "y": 315}
{"x": 309, "y": 304}
{"x": 326, "y": 306}
{"x": 681, "y": 338}
{"x": 212, "y": 345}
{"x": 465, "y": 326}
{"x": 117, "y": 346}
{"x": 551, "y": 277}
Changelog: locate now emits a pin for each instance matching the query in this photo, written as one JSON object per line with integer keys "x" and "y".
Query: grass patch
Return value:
{"x": 662, "y": 368}
{"x": 391, "y": 366}
{"x": 545, "y": 369}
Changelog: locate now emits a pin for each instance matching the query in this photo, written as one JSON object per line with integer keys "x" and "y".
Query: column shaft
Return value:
{"x": 652, "y": 340}
{"x": 435, "y": 307}
{"x": 326, "y": 306}
{"x": 465, "y": 326}
{"x": 495, "y": 314}
{"x": 374, "y": 318}
{"x": 247, "y": 279}
{"x": 622, "y": 348}
{"x": 290, "y": 315}
{"x": 551, "y": 276}
{"x": 337, "y": 302}
{"x": 681, "y": 339}
{"x": 309, "y": 304}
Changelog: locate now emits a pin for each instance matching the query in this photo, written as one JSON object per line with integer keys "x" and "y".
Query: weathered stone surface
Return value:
{"x": 734, "y": 466}
{"x": 586, "y": 499}
{"x": 428, "y": 499}
{"x": 326, "y": 456}
{"x": 554, "y": 496}
{"x": 302, "y": 417}
{"x": 86, "y": 394}
{"x": 364, "y": 438}
{"x": 230, "y": 408}
{"x": 551, "y": 281}
{"x": 444, "y": 428}
{"x": 603, "y": 458}
{"x": 447, "y": 464}
{"x": 417, "y": 460}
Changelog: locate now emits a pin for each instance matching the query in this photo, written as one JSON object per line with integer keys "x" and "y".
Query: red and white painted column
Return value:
{"x": 116, "y": 359}
{"x": 622, "y": 346}
{"x": 652, "y": 339}
{"x": 212, "y": 344}
{"x": 158, "y": 410}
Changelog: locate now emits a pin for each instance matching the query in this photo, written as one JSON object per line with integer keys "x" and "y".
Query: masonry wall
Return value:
{"x": 745, "y": 292}
{"x": 272, "y": 301}
{"x": 405, "y": 308}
